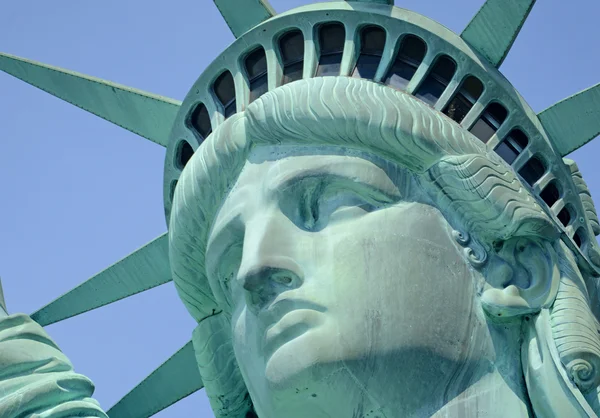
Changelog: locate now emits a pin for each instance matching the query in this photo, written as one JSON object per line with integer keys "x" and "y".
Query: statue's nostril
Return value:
{"x": 284, "y": 279}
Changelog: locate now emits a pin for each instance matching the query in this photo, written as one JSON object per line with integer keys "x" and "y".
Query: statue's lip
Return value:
{"x": 278, "y": 309}
{"x": 281, "y": 327}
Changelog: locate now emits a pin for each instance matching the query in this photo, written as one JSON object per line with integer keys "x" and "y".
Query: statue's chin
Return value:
{"x": 303, "y": 377}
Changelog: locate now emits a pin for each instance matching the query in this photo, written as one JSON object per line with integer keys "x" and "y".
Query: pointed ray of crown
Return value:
{"x": 241, "y": 16}
{"x": 175, "y": 379}
{"x": 574, "y": 121}
{"x": 145, "y": 114}
{"x": 142, "y": 270}
{"x": 2, "y": 301}
{"x": 496, "y": 26}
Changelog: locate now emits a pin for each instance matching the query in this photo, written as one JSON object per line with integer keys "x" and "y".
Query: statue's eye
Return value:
{"x": 314, "y": 202}
{"x": 318, "y": 211}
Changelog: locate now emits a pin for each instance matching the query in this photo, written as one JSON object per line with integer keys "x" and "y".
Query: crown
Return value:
{"x": 457, "y": 75}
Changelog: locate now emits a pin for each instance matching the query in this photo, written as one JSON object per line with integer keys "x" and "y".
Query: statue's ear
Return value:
{"x": 522, "y": 276}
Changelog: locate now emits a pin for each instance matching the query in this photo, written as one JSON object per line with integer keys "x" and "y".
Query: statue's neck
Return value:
{"x": 491, "y": 397}
{"x": 486, "y": 389}
{"x": 494, "y": 386}
{"x": 489, "y": 383}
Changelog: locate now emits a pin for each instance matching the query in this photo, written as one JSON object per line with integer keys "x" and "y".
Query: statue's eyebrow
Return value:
{"x": 310, "y": 188}
{"x": 371, "y": 177}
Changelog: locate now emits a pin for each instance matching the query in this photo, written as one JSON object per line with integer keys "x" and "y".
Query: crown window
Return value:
{"x": 550, "y": 194}
{"x": 410, "y": 55}
{"x": 225, "y": 90}
{"x": 564, "y": 216}
{"x": 491, "y": 120}
{"x": 512, "y": 146}
{"x": 291, "y": 46}
{"x": 200, "y": 121}
{"x": 533, "y": 170}
{"x": 256, "y": 68}
{"x": 331, "y": 40}
{"x": 371, "y": 49}
{"x": 184, "y": 154}
{"x": 579, "y": 237}
{"x": 437, "y": 80}
{"x": 469, "y": 92}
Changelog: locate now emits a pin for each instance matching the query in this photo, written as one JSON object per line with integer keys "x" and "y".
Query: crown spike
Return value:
{"x": 142, "y": 270}
{"x": 145, "y": 114}
{"x": 243, "y": 15}
{"x": 3, "y": 310}
{"x": 174, "y": 380}
{"x": 574, "y": 121}
{"x": 495, "y": 27}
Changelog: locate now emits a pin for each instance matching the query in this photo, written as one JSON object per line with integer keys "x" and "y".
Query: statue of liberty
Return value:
{"x": 365, "y": 219}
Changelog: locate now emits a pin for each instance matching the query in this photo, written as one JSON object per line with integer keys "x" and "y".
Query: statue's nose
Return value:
{"x": 269, "y": 265}
{"x": 265, "y": 284}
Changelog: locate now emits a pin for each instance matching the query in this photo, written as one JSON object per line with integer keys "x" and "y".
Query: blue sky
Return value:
{"x": 79, "y": 193}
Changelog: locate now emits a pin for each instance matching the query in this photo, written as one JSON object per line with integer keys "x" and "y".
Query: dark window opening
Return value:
{"x": 200, "y": 121}
{"x": 410, "y": 56}
{"x": 533, "y": 170}
{"x": 173, "y": 187}
{"x": 225, "y": 90}
{"x": 550, "y": 194}
{"x": 291, "y": 46}
{"x": 184, "y": 154}
{"x": 512, "y": 146}
{"x": 256, "y": 67}
{"x": 293, "y": 72}
{"x": 332, "y": 38}
{"x": 491, "y": 120}
{"x": 469, "y": 92}
{"x": 371, "y": 49}
{"x": 437, "y": 80}
{"x": 564, "y": 216}
{"x": 579, "y": 237}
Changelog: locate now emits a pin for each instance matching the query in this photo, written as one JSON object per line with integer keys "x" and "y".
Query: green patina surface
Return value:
{"x": 496, "y": 26}
{"x": 154, "y": 394}
{"x": 574, "y": 121}
{"x": 3, "y": 310}
{"x": 443, "y": 198}
{"x": 254, "y": 13}
{"x": 145, "y": 114}
{"x": 144, "y": 269}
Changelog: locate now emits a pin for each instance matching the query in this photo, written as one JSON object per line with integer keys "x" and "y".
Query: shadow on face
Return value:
{"x": 340, "y": 276}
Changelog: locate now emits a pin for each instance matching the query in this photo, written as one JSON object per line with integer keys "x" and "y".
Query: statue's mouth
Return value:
{"x": 286, "y": 320}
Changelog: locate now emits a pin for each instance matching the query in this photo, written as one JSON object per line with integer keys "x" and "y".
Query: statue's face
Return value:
{"x": 340, "y": 282}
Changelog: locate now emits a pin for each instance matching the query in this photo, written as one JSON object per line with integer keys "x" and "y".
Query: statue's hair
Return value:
{"x": 478, "y": 190}
{"x": 574, "y": 327}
